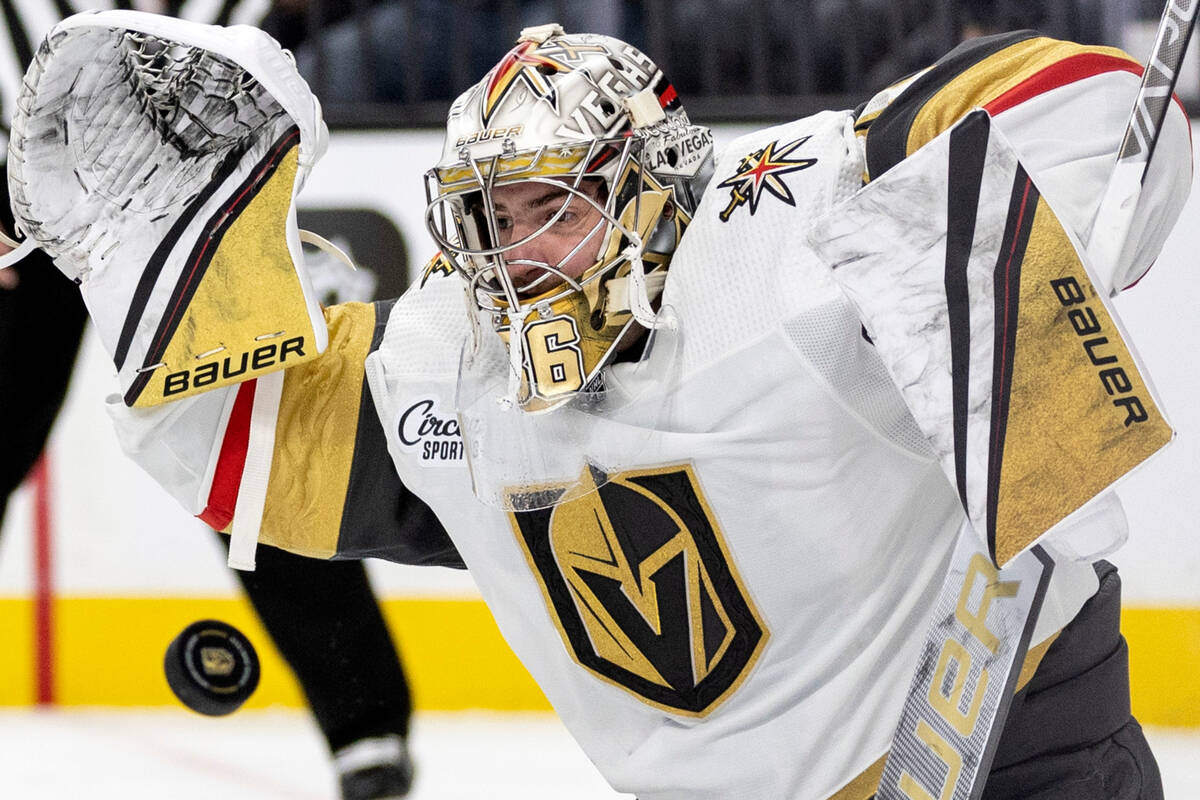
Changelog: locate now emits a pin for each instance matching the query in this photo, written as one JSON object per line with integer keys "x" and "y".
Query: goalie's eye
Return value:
{"x": 567, "y": 218}
{"x": 524, "y": 209}
{"x": 564, "y": 220}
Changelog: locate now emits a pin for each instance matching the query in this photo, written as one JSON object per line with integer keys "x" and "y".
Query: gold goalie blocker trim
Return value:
{"x": 1079, "y": 414}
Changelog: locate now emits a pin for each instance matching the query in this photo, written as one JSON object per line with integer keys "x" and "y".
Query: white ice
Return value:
{"x": 279, "y": 755}
{"x": 276, "y": 755}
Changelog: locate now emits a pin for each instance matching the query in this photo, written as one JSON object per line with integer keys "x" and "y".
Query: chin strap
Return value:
{"x": 619, "y": 291}
{"x": 516, "y": 351}
{"x": 640, "y": 285}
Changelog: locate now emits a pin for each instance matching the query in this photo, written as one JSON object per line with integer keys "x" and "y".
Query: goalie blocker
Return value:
{"x": 1018, "y": 373}
{"x": 157, "y": 161}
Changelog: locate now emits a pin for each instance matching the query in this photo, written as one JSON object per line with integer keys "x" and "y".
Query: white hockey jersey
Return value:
{"x": 737, "y": 612}
{"x": 721, "y": 581}
{"x": 702, "y": 620}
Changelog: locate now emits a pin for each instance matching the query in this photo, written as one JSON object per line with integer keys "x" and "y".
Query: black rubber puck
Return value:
{"x": 212, "y": 667}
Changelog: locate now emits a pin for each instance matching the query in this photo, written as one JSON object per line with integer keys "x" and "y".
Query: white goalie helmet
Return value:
{"x": 584, "y": 136}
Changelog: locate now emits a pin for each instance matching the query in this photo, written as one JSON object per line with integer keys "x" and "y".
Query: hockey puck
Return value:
{"x": 211, "y": 667}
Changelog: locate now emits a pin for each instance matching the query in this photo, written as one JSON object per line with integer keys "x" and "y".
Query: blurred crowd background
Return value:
{"x": 385, "y": 63}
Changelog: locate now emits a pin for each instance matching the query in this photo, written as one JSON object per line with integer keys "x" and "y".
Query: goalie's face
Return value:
{"x": 539, "y": 252}
{"x": 553, "y": 233}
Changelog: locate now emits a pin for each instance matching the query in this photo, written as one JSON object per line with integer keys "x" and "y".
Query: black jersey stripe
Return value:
{"x": 968, "y": 152}
{"x": 1007, "y": 290}
{"x": 887, "y": 138}
{"x": 403, "y": 528}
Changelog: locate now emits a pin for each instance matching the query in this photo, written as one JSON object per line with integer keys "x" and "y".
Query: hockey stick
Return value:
{"x": 1115, "y": 215}
{"x": 971, "y": 659}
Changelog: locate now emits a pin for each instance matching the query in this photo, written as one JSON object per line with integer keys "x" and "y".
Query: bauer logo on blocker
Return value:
{"x": 431, "y": 434}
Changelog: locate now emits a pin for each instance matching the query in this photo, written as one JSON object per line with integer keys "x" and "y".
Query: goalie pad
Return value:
{"x": 984, "y": 314}
{"x": 157, "y": 161}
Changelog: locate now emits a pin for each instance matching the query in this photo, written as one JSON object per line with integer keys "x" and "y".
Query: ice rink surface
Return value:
{"x": 278, "y": 755}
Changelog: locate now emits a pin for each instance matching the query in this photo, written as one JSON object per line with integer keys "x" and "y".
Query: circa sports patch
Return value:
{"x": 430, "y": 434}
{"x": 640, "y": 584}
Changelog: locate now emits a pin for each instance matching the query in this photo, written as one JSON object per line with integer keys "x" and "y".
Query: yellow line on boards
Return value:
{"x": 109, "y": 653}
{"x": 16, "y": 652}
{"x": 1164, "y": 660}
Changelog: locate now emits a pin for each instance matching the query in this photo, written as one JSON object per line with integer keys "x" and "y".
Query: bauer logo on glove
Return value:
{"x": 158, "y": 161}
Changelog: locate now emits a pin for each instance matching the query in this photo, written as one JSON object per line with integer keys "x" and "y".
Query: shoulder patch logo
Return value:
{"x": 438, "y": 265}
{"x": 760, "y": 172}
{"x": 642, "y": 588}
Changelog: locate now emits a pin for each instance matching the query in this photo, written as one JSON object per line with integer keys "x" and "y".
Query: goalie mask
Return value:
{"x": 567, "y": 178}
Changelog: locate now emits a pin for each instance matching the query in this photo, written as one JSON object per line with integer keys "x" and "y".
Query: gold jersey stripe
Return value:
{"x": 905, "y": 116}
{"x": 310, "y": 473}
{"x": 988, "y": 80}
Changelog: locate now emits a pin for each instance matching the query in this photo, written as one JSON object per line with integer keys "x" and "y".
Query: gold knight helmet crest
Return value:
{"x": 643, "y": 588}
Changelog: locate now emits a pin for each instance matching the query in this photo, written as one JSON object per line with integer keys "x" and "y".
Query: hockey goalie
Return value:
{"x": 786, "y": 473}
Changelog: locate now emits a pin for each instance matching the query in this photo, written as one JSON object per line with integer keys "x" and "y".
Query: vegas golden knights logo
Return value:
{"x": 639, "y": 581}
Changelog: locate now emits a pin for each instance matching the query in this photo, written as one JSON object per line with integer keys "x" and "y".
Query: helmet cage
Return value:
{"x": 463, "y": 220}
{"x": 632, "y": 206}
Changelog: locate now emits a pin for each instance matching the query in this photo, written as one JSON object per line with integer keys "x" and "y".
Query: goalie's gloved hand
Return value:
{"x": 157, "y": 161}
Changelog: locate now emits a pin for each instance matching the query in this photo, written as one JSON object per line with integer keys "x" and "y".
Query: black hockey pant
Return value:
{"x": 1070, "y": 734}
